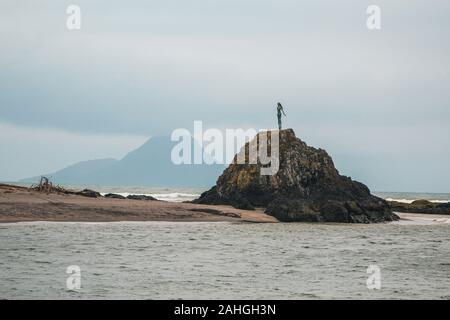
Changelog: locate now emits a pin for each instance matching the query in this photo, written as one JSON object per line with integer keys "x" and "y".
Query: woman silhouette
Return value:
{"x": 279, "y": 111}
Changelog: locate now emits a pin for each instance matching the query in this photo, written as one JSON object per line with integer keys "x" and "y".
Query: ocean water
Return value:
{"x": 162, "y": 260}
{"x": 409, "y": 197}
{"x": 176, "y": 260}
{"x": 165, "y": 194}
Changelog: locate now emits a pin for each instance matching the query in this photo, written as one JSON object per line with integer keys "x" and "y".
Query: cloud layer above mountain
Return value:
{"x": 147, "y": 67}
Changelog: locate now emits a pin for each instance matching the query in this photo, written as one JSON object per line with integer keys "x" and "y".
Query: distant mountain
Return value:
{"x": 78, "y": 173}
{"x": 149, "y": 165}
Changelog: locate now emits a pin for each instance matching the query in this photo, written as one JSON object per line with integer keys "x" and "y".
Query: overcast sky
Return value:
{"x": 377, "y": 100}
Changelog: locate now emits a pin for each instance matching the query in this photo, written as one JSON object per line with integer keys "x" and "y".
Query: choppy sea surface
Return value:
{"x": 162, "y": 260}
{"x": 176, "y": 260}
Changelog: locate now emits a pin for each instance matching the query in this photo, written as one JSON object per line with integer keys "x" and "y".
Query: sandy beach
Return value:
{"x": 22, "y": 204}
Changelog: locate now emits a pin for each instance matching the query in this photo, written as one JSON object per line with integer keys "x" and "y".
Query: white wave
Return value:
{"x": 173, "y": 196}
{"x": 411, "y": 200}
{"x": 421, "y": 219}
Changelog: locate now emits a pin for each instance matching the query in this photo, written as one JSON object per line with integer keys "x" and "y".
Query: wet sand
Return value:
{"x": 422, "y": 218}
{"x": 19, "y": 204}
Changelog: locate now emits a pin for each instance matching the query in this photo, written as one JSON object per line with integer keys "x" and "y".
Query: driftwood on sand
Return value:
{"x": 45, "y": 185}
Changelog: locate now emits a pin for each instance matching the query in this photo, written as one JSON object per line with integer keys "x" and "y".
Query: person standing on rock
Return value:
{"x": 279, "y": 112}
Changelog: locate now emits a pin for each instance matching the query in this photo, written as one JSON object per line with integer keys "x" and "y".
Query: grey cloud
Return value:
{"x": 151, "y": 66}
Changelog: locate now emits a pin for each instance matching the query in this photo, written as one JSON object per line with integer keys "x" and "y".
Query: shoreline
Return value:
{"x": 407, "y": 218}
{"x": 21, "y": 204}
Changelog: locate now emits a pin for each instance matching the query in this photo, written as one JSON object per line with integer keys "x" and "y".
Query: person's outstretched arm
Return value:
{"x": 282, "y": 110}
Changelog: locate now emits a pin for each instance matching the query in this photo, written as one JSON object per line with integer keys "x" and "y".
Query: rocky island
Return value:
{"x": 307, "y": 187}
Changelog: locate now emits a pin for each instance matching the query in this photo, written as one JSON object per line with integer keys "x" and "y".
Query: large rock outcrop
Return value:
{"x": 307, "y": 187}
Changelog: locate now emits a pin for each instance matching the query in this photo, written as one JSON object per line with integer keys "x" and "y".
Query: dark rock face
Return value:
{"x": 421, "y": 206}
{"x": 307, "y": 187}
{"x": 141, "y": 197}
{"x": 89, "y": 193}
{"x": 114, "y": 196}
